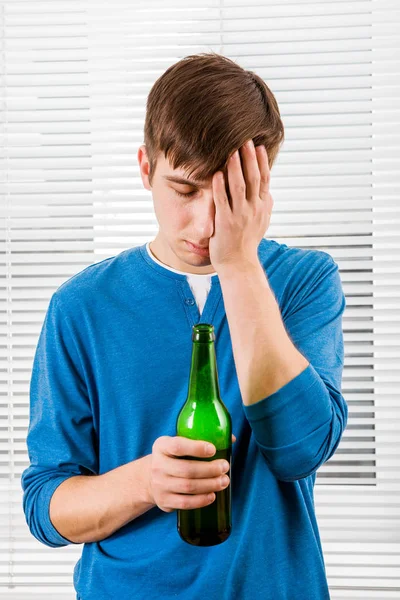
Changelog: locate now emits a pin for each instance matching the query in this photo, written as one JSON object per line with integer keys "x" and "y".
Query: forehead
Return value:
{"x": 183, "y": 178}
{"x": 180, "y": 176}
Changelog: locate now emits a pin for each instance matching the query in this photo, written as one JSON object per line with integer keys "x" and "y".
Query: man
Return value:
{"x": 110, "y": 377}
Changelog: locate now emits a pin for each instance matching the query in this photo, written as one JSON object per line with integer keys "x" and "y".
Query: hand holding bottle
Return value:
{"x": 179, "y": 483}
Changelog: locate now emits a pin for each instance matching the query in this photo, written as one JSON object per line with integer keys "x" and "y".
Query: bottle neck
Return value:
{"x": 203, "y": 382}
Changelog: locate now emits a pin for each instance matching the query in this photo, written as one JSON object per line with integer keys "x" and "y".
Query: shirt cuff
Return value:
{"x": 292, "y": 412}
{"x": 270, "y": 405}
{"x": 49, "y": 532}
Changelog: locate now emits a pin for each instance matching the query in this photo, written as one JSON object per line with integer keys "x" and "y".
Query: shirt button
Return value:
{"x": 189, "y": 301}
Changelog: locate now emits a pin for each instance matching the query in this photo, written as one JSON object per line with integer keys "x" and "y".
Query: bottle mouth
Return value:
{"x": 203, "y": 332}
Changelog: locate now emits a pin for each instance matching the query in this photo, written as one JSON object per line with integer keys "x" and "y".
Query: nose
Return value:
{"x": 204, "y": 220}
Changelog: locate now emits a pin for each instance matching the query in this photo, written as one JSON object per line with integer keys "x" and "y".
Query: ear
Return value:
{"x": 144, "y": 166}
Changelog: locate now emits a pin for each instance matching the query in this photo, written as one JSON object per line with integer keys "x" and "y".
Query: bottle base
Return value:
{"x": 205, "y": 538}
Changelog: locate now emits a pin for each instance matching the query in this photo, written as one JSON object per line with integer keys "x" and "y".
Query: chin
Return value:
{"x": 195, "y": 259}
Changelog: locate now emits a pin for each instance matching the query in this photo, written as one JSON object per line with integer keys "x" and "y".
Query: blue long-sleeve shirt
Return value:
{"x": 110, "y": 375}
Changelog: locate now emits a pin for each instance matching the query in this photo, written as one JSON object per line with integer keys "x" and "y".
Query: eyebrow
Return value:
{"x": 194, "y": 182}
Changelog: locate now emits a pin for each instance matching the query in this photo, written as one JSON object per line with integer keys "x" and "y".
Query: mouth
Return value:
{"x": 200, "y": 247}
{"x": 202, "y": 250}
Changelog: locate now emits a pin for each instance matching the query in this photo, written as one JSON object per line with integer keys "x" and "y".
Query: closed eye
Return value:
{"x": 188, "y": 195}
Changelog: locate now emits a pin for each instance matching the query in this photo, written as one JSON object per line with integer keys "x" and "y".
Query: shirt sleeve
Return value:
{"x": 299, "y": 427}
{"x": 61, "y": 438}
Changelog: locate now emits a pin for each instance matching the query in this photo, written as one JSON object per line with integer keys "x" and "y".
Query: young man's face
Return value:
{"x": 180, "y": 218}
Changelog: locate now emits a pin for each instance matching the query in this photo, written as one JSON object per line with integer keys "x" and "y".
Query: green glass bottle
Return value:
{"x": 205, "y": 417}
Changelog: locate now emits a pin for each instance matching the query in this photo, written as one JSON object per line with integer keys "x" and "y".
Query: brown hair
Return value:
{"x": 204, "y": 107}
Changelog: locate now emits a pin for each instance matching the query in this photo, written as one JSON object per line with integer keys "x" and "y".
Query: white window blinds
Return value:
{"x": 74, "y": 77}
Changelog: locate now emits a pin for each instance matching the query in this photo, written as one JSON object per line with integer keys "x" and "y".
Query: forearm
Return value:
{"x": 89, "y": 508}
{"x": 265, "y": 356}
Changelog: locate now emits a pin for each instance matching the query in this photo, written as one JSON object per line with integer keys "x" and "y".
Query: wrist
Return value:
{"x": 227, "y": 271}
{"x": 147, "y": 492}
